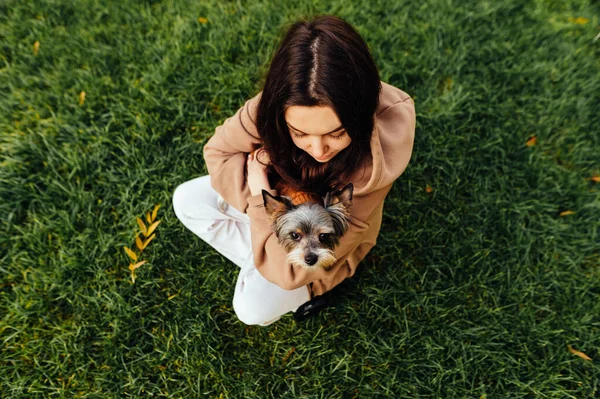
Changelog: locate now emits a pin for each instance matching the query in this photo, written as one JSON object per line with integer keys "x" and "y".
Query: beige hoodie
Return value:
{"x": 391, "y": 147}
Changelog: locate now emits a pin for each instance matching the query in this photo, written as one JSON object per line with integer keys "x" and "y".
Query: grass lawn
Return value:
{"x": 485, "y": 282}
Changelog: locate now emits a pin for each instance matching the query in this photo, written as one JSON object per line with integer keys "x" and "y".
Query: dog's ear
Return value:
{"x": 275, "y": 206}
{"x": 339, "y": 205}
{"x": 342, "y": 197}
{"x": 345, "y": 196}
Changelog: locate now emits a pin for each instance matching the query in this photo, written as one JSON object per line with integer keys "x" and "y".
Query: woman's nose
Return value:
{"x": 318, "y": 147}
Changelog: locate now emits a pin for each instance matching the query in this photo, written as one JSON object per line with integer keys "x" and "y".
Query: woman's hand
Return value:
{"x": 256, "y": 164}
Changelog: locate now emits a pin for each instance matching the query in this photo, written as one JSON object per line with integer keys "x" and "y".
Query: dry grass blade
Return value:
{"x": 578, "y": 353}
{"x": 287, "y": 355}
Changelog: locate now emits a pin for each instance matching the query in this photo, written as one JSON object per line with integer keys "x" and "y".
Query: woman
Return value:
{"x": 322, "y": 120}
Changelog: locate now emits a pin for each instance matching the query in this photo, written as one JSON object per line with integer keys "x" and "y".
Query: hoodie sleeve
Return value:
{"x": 226, "y": 151}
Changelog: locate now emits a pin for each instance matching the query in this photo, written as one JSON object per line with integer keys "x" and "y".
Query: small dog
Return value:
{"x": 308, "y": 226}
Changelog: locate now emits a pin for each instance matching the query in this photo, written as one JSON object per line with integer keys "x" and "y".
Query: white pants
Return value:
{"x": 256, "y": 300}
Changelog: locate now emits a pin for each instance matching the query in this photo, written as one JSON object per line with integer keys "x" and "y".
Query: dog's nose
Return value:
{"x": 311, "y": 259}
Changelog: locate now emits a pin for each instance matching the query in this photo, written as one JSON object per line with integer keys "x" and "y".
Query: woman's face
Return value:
{"x": 317, "y": 130}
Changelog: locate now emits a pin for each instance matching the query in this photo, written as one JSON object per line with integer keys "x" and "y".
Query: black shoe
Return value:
{"x": 311, "y": 308}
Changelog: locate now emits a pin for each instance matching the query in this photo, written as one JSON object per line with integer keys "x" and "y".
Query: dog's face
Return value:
{"x": 309, "y": 232}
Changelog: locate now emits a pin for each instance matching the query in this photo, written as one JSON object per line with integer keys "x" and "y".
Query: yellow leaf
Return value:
{"x": 132, "y": 267}
{"x": 577, "y": 353}
{"x": 202, "y": 20}
{"x": 155, "y": 211}
{"x": 131, "y": 254}
{"x": 148, "y": 217}
{"x": 81, "y": 98}
{"x": 151, "y": 228}
{"x": 138, "y": 243}
{"x": 36, "y": 47}
{"x": 579, "y": 20}
{"x": 142, "y": 225}
{"x": 596, "y": 179}
{"x": 531, "y": 142}
{"x": 565, "y": 213}
{"x": 148, "y": 240}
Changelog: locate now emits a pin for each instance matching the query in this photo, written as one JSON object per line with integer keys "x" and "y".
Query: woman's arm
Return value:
{"x": 226, "y": 152}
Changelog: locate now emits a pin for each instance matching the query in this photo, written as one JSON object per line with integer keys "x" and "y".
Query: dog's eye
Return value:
{"x": 295, "y": 236}
{"x": 323, "y": 236}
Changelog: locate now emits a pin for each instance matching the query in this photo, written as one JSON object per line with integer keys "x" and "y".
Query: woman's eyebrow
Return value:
{"x": 333, "y": 131}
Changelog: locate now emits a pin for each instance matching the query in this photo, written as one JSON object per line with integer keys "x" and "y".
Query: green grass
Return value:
{"x": 475, "y": 289}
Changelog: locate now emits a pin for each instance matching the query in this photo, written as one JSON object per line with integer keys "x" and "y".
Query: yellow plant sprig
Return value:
{"x": 146, "y": 231}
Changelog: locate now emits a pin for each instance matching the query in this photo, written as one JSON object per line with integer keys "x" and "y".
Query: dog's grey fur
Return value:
{"x": 309, "y": 232}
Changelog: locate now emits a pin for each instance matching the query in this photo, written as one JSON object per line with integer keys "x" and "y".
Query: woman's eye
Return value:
{"x": 298, "y": 136}
{"x": 295, "y": 236}
{"x": 339, "y": 136}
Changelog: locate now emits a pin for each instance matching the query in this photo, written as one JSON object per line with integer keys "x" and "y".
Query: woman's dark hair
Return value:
{"x": 323, "y": 61}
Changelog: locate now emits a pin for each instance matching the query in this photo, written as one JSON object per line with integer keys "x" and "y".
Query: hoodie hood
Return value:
{"x": 391, "y": 142}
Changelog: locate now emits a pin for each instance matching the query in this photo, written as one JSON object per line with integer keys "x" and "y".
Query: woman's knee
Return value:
{"x": 251, "y": 312}
{"x": 193, "y": 195}
{"x": 258, "y": 301}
